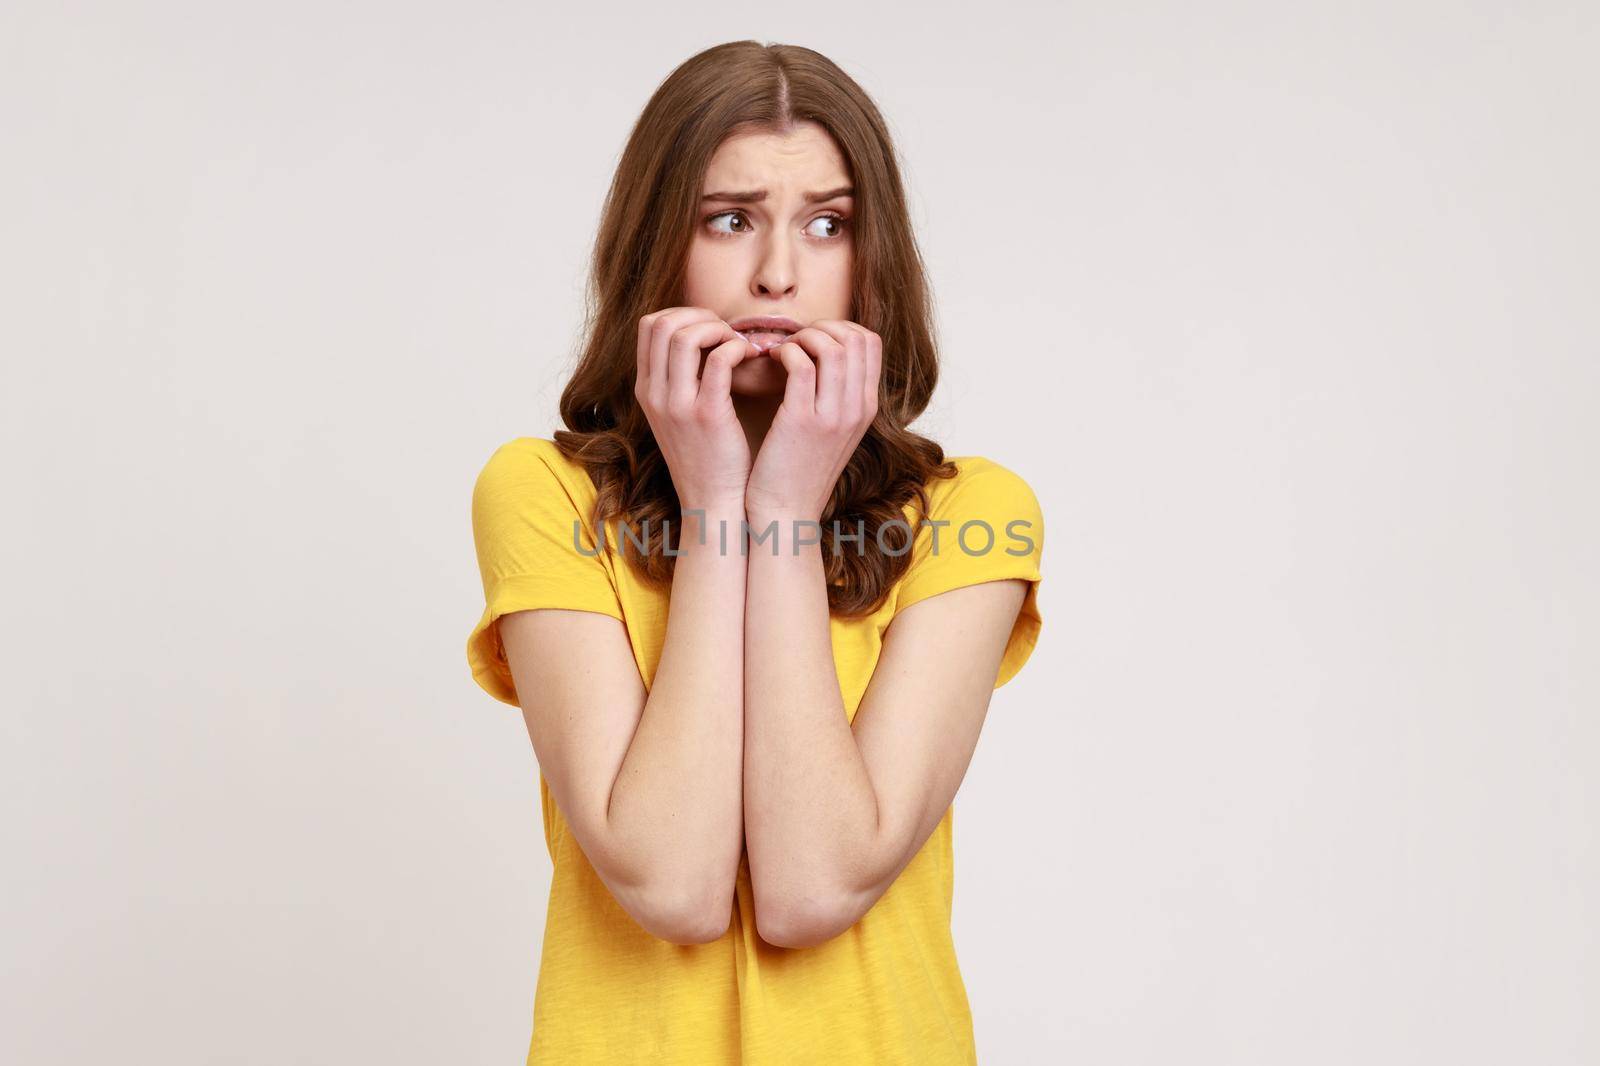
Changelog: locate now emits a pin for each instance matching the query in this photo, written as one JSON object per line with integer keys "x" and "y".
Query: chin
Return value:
{"x": 759, "y": 376}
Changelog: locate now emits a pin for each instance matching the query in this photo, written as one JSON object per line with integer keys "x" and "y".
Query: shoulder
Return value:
{"x": 524, "y": 462}
{"x": 530, "y": 477}
{"x": 984, "y": 490}
{"x": 522, "y": 454}
{"x": 984, "y": 524}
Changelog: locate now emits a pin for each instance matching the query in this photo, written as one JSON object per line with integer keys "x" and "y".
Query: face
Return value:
{"x": 764, "y": 246}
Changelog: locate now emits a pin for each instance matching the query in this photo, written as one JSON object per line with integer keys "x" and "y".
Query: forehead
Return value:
{"x": 805, "y": 159}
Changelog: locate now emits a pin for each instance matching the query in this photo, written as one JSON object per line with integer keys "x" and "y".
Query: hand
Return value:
{"x": 828, "y": 403}
{"x": 690, "y": 411}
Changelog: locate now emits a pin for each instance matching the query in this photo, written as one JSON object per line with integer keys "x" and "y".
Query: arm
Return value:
{"x": 834, "y": 810}
{"x": 650, "y": 784}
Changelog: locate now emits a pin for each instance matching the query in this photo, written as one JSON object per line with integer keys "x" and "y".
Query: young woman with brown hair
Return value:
{"x": 749, "y": 749}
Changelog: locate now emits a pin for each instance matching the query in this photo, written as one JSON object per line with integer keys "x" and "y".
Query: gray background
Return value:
{"x": 1285, "y": 311}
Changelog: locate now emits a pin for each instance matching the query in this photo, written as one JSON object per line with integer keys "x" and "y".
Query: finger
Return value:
{"x": 832, "y": 349}
{"x": 642, "y": 352}
{"x": 860, "y": 404}
{"x": 716, "y": 379}
{"x": 830, "y": 357}
{"x": 642, "y": 344}
{"x": 872, "y": 380}
{"x": 850, "y": 386}
{"x": 683, "y": 359}
{"x": 661, "y": 330}
{"x": 800, "y": 390}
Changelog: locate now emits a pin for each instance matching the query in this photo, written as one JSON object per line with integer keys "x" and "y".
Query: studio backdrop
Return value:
{"x": 1286, "y": 314}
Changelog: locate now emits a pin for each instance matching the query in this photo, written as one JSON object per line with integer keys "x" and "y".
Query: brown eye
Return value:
{"x": 838, "y": 225}
{"x": 724, "y": 214}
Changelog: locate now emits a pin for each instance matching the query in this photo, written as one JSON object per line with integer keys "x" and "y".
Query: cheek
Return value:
{"x": 843, "y": 288}
{"x": 695, "y": 273}
{"x": 709, "y": 273}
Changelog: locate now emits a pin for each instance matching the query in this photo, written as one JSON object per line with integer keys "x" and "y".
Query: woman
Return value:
{"x": 748, "y": 749}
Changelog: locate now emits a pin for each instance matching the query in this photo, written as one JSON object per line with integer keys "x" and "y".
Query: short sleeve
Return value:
{"x": 987, "y": 526}
{"x": 530, "y": 554}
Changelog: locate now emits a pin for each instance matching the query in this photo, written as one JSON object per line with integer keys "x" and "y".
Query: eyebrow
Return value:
{"x": 758, "y": 195}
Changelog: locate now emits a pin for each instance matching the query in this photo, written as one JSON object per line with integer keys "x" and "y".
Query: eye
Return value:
{"x": 711, "y": 220}
{"x": 839, "y": 222}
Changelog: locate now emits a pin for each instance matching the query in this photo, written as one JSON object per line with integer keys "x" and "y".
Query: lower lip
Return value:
{"x": 764, "y": 340}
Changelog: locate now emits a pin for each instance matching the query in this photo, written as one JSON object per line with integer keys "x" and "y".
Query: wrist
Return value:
{"x": 714, "y": 507}
{"x": 786, "y": 517}
{"x": 714, "y": 528}
{"x": 772, "y": 510}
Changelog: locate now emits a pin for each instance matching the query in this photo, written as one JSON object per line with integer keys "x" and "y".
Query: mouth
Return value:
{"x": 765, "y": 340}
{"x": 765, "y": 331}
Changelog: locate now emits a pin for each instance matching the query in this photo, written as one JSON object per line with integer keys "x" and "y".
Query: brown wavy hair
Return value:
{"x": 638, "y": 266}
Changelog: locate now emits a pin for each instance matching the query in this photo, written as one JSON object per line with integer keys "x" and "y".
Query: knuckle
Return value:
{"x": 687, "y": 336}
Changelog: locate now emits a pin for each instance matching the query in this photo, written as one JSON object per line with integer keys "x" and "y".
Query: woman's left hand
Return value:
{"x": 828, "y": 403}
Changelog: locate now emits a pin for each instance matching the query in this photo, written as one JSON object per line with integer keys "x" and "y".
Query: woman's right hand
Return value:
{"x": 690, "y": 411}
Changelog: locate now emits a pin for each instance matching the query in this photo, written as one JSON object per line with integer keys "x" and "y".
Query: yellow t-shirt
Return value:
{"x": 886, "y": 991}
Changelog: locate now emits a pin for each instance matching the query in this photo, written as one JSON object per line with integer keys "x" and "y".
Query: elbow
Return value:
{"x": 684, "y": 916}
{"x": 675, "y": 902}
{"x": 804, "y": 919}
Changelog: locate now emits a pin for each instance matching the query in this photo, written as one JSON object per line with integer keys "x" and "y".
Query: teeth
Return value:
{"x": 765, "y": 339}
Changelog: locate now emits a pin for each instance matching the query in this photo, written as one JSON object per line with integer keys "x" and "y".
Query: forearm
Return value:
{"x": 811, "y": 816}
{"x": 676, "y": 807}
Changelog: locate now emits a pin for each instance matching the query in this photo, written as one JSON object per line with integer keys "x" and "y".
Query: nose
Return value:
{"x": 775, "y": 273}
